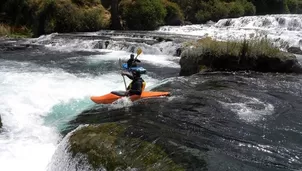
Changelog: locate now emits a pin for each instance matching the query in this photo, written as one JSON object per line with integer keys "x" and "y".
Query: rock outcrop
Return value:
{"x": 295, "y": 50}
{"x": 193, "y": 60}
{"x": 108, "y": 146}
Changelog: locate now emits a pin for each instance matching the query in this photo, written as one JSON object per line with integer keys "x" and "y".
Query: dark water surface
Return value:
{"x": 220, "y": 121}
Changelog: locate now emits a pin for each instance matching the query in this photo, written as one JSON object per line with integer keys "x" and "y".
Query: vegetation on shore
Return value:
{"x": 47, "y": 16}
{"x": 200, "y": 11}
{"x": 13, "y": 32}
{"x": 255, "y": 55}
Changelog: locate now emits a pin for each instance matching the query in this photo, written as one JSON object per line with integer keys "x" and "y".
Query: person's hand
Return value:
{"x": 123, "y": 73}
{"x": 127, "y": 92}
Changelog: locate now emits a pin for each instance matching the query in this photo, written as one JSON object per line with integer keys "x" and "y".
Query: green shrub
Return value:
{"x": 4, "y": 30}
{"x": 249, "y": 8}
{"x": 15, "y": 32}
{"x": 212, "y": 10}
{"x": 65, "y": 16}
{"x": 173, "y": 11}
{"x": 86, "y": 2}
{"x": 236, "y": 9}
{"x": 246, "y": 48}
{"x": 143, "y": 14}
{"x": 292, "y": 6}
{"x": 299, "y": 9}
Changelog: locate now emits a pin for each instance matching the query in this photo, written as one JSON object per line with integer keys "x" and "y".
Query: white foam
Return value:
{"x": 247, "y": 111}
{"x": 158, "y": 60}
{"x": 28, "y": 96}
{"x": 283, "y": 30}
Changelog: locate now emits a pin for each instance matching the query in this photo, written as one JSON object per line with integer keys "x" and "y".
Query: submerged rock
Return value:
{"x": 107, "y": 146}
{"x": 295, "y": 50}
{"x": 225, "y": 56}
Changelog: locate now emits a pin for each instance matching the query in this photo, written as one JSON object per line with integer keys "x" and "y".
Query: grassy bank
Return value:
{"x": 14, "y": 32}
{"x": 242, "y": 49}
{"x": 248, "y": 55}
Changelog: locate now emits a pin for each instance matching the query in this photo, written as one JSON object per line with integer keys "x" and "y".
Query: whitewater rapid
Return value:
{"x": 37, "y": 101}
{"x": 283, "y": 30}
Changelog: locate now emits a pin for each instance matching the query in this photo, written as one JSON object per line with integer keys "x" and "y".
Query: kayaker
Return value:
{"x": 132, "y": 62}
{"x": 137, "y": 86}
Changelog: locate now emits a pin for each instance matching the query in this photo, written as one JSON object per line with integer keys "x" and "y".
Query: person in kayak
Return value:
{"x": 137, "y": 86}
{"x": 132, "y": 62}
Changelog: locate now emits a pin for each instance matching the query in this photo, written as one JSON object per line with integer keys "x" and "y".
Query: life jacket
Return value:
{"x": 143, "y": 84}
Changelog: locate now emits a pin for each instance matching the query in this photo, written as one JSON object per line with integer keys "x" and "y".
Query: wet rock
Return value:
{"x": 174, "y": 21}
{"x": 106, "y": 44}
{"x": 195, "y": 60}
{"x": 178, "y": 51}
{"x": 187, "y": 23}
{"x": 0, "y": 122}
{"x": 295, "y": 50}
{"x": 109, "y": 146}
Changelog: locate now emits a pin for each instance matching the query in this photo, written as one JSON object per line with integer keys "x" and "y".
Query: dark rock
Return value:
{"x": 210, "y": 23}
{"x": 295, "y": 50}
{"x": 194, "y": 60}
{"x": 106, "y": 44}
{"x": 0, "y": 123}
{"x": 109, "y": 146}
{"x": 178, "y": 52}
{"x": 174, "y": 21}
{"x": 187, "y": 23}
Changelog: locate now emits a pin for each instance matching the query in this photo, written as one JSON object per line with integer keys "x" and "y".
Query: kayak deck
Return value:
{"x": 139, "y": 69}
{"x": 111, "y": 97}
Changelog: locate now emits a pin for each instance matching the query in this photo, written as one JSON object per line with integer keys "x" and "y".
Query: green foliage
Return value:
{"x": 47, "y": 16}
{"x": 4, "y": 30}
{"x": 292, "y": 6}
{"x": 18, "y": 11}
{"x": 173, "y": 11}
{"x": 236, "y": 9}
{"x": 275, "y": 6}
{"x": 299, "y": 8}
{"x": 143, "y": 14}
{"x": 14, "y": 32}
{"x": 86, "y": 2}
{"x": 249, "y": 8}
{"x": 245, "y": 48}
{"x": 212, "y": 10}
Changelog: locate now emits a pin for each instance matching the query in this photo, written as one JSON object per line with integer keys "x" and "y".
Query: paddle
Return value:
{"x": 122, "y": 75}
{"x": 138, "y": 52}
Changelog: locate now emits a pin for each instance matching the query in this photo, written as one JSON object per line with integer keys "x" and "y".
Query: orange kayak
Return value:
{"x": 115, "y": 95}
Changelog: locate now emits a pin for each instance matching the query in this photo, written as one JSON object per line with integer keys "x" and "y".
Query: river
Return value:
{"x": 212, "y": 121}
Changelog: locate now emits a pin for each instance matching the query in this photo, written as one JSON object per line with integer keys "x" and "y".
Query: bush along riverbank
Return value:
{"x": 248, "y": 55}
{"x": 48, "y": 16}
{"x": 14, "y": 32}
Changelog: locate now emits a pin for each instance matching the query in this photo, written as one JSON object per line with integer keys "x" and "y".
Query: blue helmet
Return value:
{"x": 135, "y": 73}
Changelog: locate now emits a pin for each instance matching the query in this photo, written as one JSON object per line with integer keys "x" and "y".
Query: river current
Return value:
{"x": 212, "y": 121}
